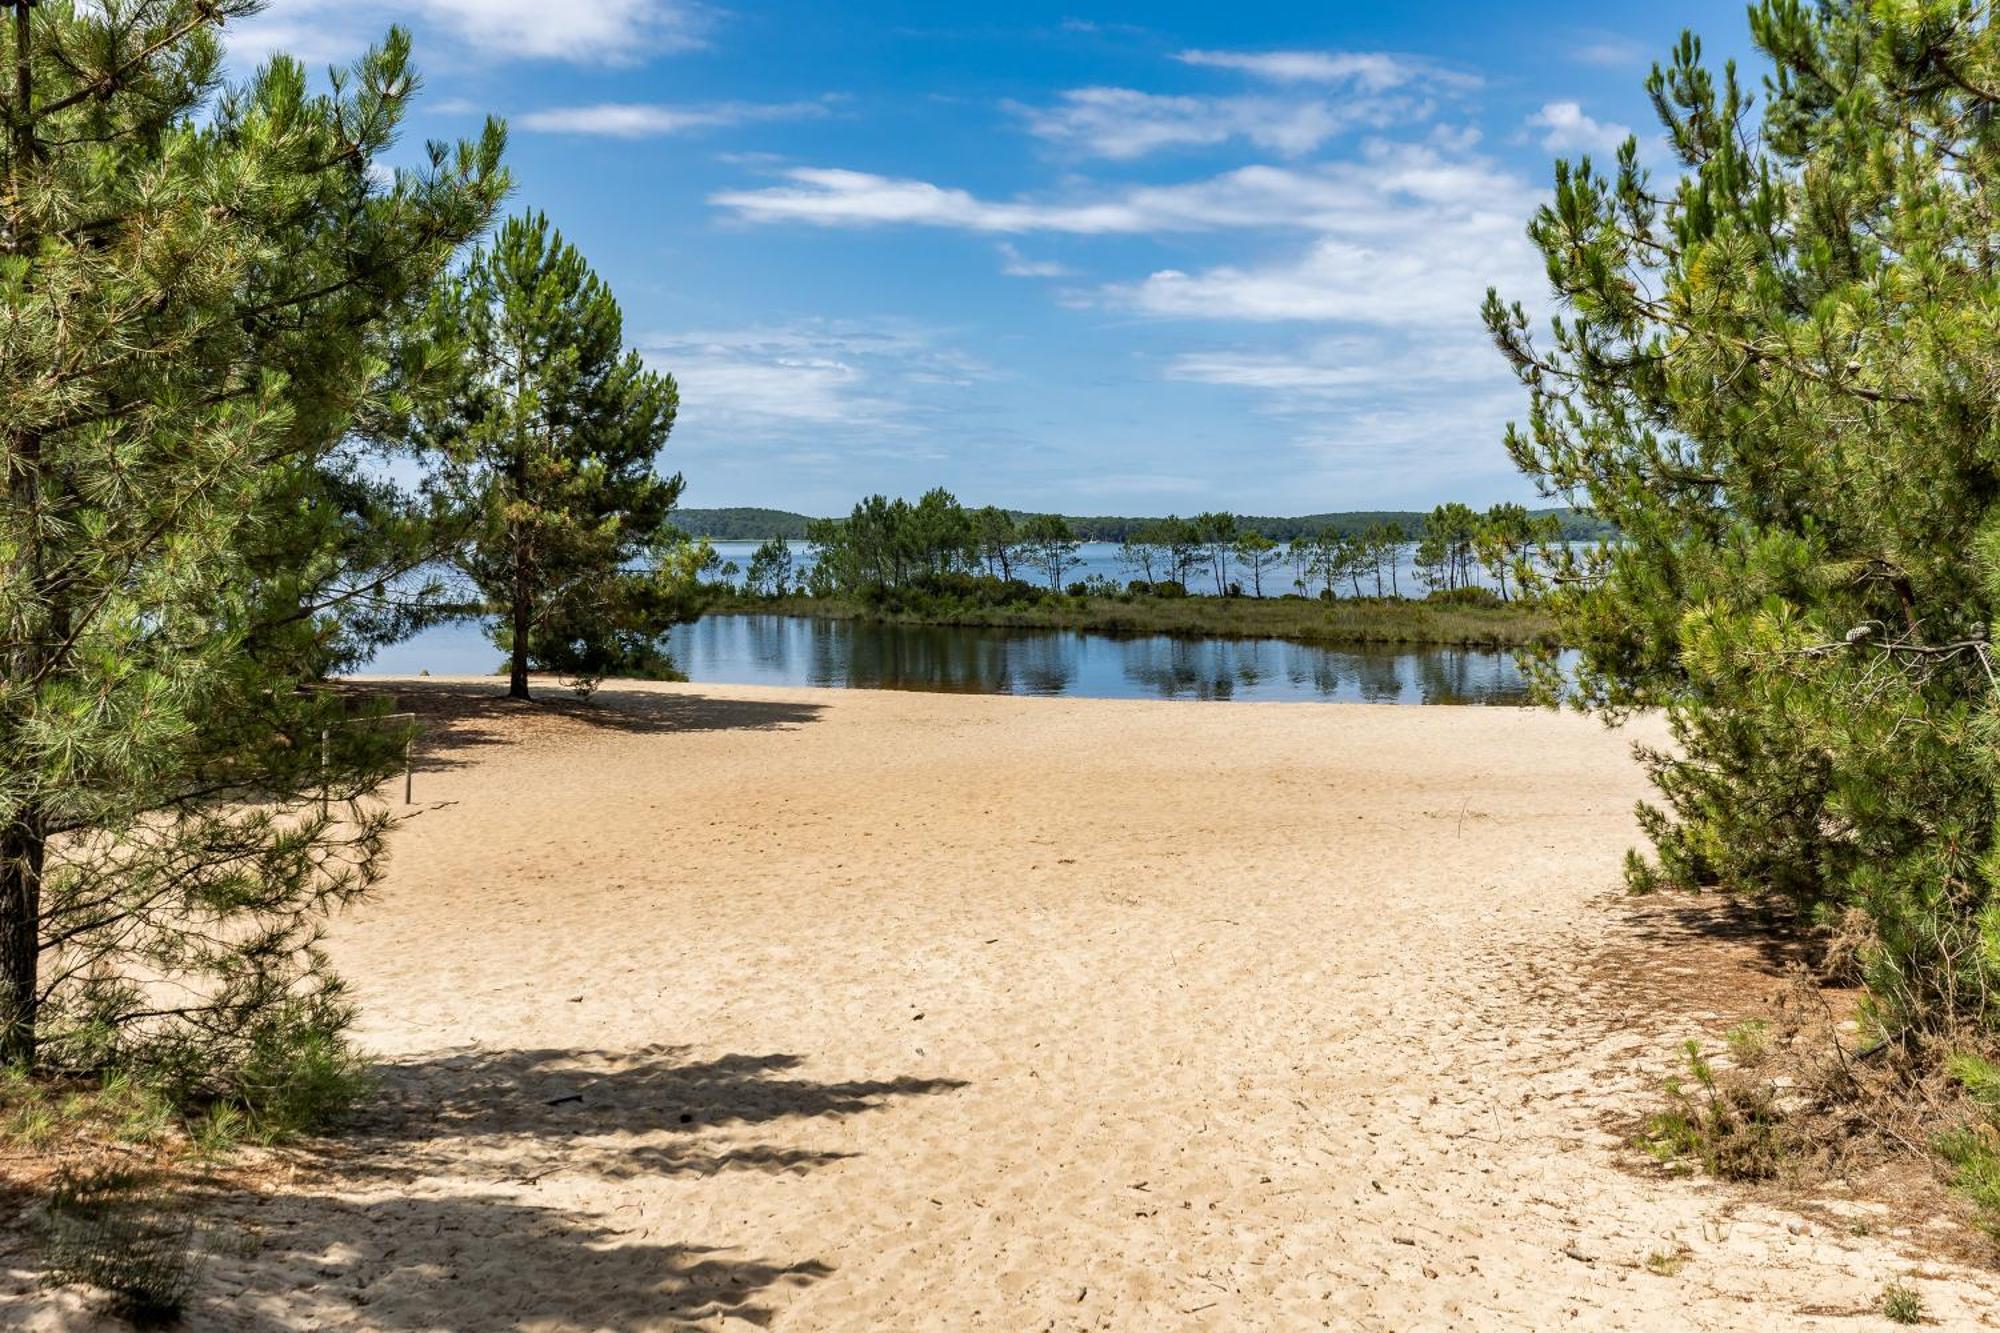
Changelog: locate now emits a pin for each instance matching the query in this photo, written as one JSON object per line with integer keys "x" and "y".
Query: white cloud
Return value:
{"x": 1017, "y": 265}
{"x": 817, "y": 373}
{"x": 1337, "y": 196}
{"x": 640, "y": 120}
{"x": 1342, "y": 368}
{"x": 607, "y": 32}
{"x": 834, "y": 197}
{"x": 1370, "y": 70}
{"x": 1435, "y": 282}
{"x": 1402, "y": 235}
{"x": 1567, "y": 129}
{"x": 1122, "y": 123}
{"x": 1608, "y": 49}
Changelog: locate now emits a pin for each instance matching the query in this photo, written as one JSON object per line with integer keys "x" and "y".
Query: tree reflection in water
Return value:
{"x": 781, "y": 650}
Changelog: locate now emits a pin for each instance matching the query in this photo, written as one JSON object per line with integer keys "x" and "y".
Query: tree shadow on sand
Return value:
{"x": 385, "y": 1250}
{"x": 456, "y": 719}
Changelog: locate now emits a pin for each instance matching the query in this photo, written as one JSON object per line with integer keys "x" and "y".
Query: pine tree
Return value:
{"x": 575, "y": 553}
{"x": 1780, "y": 378}
{"x": 201, "y": 289}
{"x": 1050, "y": 546}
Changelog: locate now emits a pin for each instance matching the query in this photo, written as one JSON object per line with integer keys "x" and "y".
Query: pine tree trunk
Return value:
{"x": 517, "y": 676}
{"x": 22, "y": 847}
{"x": 22, "y": 841}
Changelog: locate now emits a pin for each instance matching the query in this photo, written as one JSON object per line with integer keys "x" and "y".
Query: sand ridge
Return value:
{"x": 844, "y": 1009}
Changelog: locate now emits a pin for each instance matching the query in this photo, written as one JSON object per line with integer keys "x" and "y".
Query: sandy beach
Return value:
{"x": 856, "y": 1010}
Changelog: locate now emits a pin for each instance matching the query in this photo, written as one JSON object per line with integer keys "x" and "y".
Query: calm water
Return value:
{"x": 786, "y": 650}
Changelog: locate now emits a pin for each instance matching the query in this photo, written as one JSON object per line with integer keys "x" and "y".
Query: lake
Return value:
{"x": 788, "y": 650}
{"x": 1107, "y": 560}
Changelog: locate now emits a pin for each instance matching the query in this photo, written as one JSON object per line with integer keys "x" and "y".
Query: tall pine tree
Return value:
{"x": 562, "y": 426}
{"x": 201, "y": 287}
{"x": 1780, "y": 377}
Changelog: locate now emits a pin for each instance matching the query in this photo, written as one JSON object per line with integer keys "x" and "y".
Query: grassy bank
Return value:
{"x": 1348, "y": 621}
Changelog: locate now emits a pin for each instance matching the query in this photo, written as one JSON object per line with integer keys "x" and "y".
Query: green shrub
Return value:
{"x": 1727, "y": 1121}
{"x": 1902, "y": 1305}
{"x": 1471, "y": 595}
{"x": 1973, "y": 1150}
{"x": 297, "y": 1080}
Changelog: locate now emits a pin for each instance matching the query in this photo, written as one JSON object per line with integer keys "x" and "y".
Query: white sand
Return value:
{"x": 884, "y": 1010}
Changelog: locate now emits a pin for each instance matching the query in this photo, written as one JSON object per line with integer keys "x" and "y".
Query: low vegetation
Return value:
{"x": 130, "y": 1234}
{"x": 935, "y": 562}
{"x": 1460, "y": 622}
{"x": 1728, "y": 1121}
{"x": 1902, "y": 1304}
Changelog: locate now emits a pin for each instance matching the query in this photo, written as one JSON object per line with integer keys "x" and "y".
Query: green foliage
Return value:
{"x": 1902, "y": 1304}
{"x": 1749, "y": 1041}
{"x": 770, "y": 573}
{"x": 1164, "y": 609}
{"x": 1973, "y": 1149}
{"x": 558, "y": 427}
{"x": 1776, "y": 377}
{"x": 1049, "y": 546}
{"x": 741, "y": 524}
{"x": 213, "y": 297}
{"x": 888, "y": 543}
{"x": 1727, "y": 1121}
{"x": 126, "y": 1233}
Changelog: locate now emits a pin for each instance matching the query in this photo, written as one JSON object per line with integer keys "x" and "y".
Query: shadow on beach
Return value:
{"x": 385, "y": 1250}
{"x": 458, "y": 719}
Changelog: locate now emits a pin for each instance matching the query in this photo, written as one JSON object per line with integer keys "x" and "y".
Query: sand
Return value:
{"x": 858, "y": 1010}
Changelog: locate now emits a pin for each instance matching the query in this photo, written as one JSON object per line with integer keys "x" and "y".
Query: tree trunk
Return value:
{"x": 24, "y": 841}
{"x": 517, "y": 676}
{"x": 21, "y": 857}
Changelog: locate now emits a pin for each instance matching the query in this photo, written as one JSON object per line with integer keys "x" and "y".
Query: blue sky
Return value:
{"x": 1099, "y": 259}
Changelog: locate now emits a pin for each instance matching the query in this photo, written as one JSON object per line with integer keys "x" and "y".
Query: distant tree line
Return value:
{"x": 898, "y": 545}
{"x": 752, "y": 524}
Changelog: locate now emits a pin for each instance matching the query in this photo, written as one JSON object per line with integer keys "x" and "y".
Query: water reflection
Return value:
{"x": 778, "y": 650}
{"x": 784, "y": 650}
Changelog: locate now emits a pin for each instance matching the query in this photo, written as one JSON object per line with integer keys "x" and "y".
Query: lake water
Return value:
{"x": 788, "y": 650}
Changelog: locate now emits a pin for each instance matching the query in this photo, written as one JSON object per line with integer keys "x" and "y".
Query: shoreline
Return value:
{"x": 1356, "y": 622}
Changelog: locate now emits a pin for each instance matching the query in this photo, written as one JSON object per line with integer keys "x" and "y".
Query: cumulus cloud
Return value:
{"x": 1344, "y": 196}
{"x": 1565, "y": 128}
{"x": 643, "y": 120}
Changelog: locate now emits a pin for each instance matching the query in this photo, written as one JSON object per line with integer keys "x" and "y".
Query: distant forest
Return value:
{"x": 751, "y": 524}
